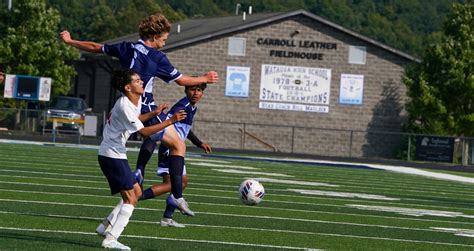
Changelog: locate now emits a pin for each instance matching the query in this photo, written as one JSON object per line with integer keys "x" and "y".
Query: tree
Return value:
{"x": 31, "y": 46}
{"x": 441, "y": 87}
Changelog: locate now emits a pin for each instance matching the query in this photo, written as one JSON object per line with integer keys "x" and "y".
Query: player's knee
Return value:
{"x": 178, "y": 146}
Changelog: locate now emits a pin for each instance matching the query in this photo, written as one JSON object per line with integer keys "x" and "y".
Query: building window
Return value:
{"x": 357, "y": 54}
{"x": 236, "y": 46}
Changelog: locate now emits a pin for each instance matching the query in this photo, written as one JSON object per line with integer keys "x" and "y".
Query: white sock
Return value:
{"x": 122, "y": 220}
{"x": 113, "y": 215}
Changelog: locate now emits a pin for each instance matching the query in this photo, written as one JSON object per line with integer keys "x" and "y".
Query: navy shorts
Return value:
{"x": 118, "y": 174}
{"x": 164, "y": 162}
{"x": 156, "y": 120}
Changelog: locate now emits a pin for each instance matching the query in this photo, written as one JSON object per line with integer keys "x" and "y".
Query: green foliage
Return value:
{"x": 31, "y": 46}
{"x": 407, "y": 25}
{"x": 101, "y": 20}
{"x": 441, "y": 87}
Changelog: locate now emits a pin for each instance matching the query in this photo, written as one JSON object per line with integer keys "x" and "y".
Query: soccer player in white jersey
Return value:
{"x": 144, "y": 57}
{"x": 183, "y": 127}
{"x": 123, "y": 120}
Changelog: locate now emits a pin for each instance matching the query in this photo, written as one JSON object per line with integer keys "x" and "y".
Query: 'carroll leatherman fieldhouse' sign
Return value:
{"x": 434, "y": 148}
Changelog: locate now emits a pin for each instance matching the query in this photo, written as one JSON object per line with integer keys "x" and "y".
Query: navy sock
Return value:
{"x": 169, "y": 211}
{"x": 147, "y": 194}
{"x": 146, "y": 151}
{"x": 176, "y": 175}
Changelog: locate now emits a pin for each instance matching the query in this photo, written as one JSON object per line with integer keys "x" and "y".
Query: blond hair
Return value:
{"x": 154, "y": 25}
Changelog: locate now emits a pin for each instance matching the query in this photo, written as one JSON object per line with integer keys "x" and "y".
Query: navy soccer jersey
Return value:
{"x": 148, "y": 62}
{"x": 184, "y": 126}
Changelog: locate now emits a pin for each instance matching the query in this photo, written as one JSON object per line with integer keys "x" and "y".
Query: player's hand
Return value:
{"x": 178, "y": 116}
{"x": 206, "y": 148}
{"x": 212, "y": 77}
{"x": 161, "y": 108}
{"x": 65, "y": 36}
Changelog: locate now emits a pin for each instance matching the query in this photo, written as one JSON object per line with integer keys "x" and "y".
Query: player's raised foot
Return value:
{"x": 181, "y": 204}
{"x": 166, "y": 222}
{"x": 114, "y": 244}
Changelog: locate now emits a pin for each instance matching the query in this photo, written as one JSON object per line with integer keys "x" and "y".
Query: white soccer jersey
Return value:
{"x": 121, "y": 123}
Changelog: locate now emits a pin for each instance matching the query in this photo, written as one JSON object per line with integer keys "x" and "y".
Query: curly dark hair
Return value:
{"x": 121, "y": 78}
{"x": 154, "y": 25}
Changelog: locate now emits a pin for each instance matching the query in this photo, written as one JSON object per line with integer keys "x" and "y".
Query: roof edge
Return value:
{"x": 284, "y": 15}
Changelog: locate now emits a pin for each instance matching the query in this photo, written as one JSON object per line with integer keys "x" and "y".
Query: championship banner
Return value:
{"x": 295, "y": 88}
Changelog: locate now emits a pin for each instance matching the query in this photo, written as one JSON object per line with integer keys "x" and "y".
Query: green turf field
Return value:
{"x": 52, "y": 198}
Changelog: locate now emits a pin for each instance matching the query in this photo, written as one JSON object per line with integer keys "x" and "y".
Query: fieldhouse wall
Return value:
{"x": 293, "y": 131}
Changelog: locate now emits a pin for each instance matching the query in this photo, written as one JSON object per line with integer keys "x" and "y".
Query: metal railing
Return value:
{"x": 16, "y": 123}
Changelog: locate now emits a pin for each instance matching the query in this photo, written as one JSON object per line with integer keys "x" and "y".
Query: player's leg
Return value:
{"x": 130, "y": 199}
{"x": 107, "y": 223}
{"x": 121, "y": 180}
{"x": 157, "y": 190}
{"x": 162, "y": 171}
{"x": 177, "y": 148}
{"x": 146, "y": 149}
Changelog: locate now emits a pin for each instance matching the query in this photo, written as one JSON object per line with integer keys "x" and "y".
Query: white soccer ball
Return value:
{"x": 251, "y": 192}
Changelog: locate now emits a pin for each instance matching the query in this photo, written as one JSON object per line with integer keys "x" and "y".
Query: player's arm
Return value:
{"x": 88, "y": 46}
{"x": 210, "y": 78}
{"x": 150, "y": 130}
{"x": 149, "y": 115}
{"x": 195, "y": 140}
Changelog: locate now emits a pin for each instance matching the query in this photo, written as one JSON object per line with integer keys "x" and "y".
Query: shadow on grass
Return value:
{"x": 37, "y": 241}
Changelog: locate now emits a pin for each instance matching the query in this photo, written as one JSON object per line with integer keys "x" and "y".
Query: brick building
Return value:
{"x": 289, "y": 82}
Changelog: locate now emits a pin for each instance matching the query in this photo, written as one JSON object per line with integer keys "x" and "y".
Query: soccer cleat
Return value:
{"x": 166, "y": 222}
{"x": 114, "y": 244}
{"x": 181, "y": 204}
{"x": 139, "y": 177}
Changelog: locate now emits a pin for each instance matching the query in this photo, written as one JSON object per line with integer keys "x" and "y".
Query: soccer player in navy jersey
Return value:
{"x": 123, "y": 120}
{"x": 145, "y": 58}
{"x": 183, "y": 127}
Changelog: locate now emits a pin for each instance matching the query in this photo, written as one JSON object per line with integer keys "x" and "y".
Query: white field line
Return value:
{"x": 233, "y": 215}
{"x": 249, "y": 172}
{"x": 263, "y": 208}
{"x": 215, "y": 190}
{"x": 221, "y": 165}
{"x": 10, "y": 171}
{"x": 241, "y": 228}
{"x": 53, "y": 166}
{"x": 208, "y": 160}
{"x": 15, "y": 161}
{"x": 93, "y": 164}
{"x": 356, "y": 185}
{"x": 260, "y": 208}
{"x": 158, "y": 238}
{"x": 399, "y": 169}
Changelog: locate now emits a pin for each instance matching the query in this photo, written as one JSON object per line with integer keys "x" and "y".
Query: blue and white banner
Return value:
{"x": 237, "y": 81}
{"x": 352, "y": 89}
